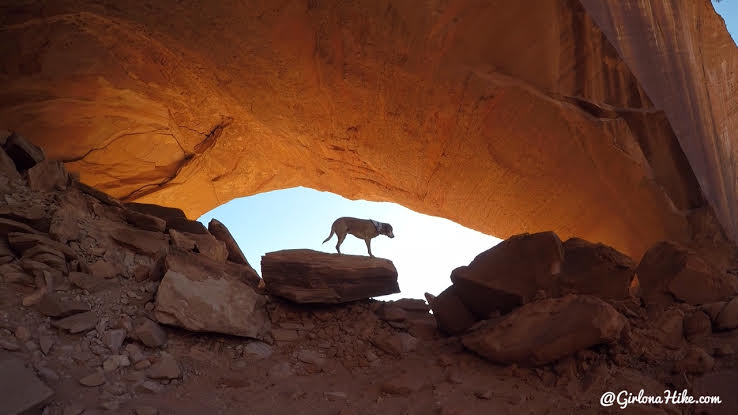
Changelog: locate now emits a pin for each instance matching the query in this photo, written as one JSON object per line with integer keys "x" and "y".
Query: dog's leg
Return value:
{"x": 340, "y": 241}
{"x": 369, "y": 246}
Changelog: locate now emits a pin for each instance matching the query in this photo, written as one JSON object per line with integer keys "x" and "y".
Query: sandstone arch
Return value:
{"x": 498, "y": 115}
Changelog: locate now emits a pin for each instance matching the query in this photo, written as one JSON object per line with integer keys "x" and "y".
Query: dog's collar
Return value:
{"x": 377, "y": 225}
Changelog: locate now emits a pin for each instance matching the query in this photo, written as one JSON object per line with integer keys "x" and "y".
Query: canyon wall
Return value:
{"x": 503, "y": 117}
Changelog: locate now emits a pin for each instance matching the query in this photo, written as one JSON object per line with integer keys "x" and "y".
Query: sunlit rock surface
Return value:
{"x": 503, "y": 117}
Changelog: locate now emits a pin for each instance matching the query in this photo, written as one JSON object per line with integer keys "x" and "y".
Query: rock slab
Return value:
{"x": 545, "y": 331}
{"x": 307, "y": 276}
{"x": 221, "y": 233}
{"x": 201, "y": 301}
{"x": 22, "y": 391}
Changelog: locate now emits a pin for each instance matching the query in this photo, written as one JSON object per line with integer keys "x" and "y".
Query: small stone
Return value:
{"x": 148, "y": 386}
{"x": 143, "y": 364}
{"x": 311, "y": 357}
{"x": 78, "y": 322}
{"x": 335, "y": 396}
{"x": 146, "y": 410}
{"x": 45, "y": 342}
{"x": 114, "y": 339}
{"x": 111, "y": 405}
{"x": 48, "y": 374}
{"x": 165, "y": 368}
{"x": 116, "y": 388}
{"x": 134, "y": 353}
{"x": 22, "y": 334}
{"x": 150, "y": 333}
{"x": 280, "y": 371}
{"x": 486, "y": 394}
{"x": 94, "y": 379}
{"x": 9, "y": 344}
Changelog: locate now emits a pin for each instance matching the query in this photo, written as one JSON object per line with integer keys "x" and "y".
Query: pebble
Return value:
{"x": 94, "y": 379}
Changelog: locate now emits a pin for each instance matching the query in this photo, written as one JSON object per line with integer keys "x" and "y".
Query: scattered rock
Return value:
{"x": 103, "y": 269}
{"x": 54, "y": 305}
{"x": 114, "y": 362}
{"x": 280, "y": 371}
{"x": 21, "y": 242}
{"x": 165, "y": 368}
{"x": 94, "y": 379}
{"x": 545, "y": 331}
{"x": 697, "y": 361}
{"x": 697, "y": 325}
{"x": 595, "y": 269}
{"x": 257, "y": 350}
{"x": 310, "y": 356}
{"x": 78, "y": 322}
{"x": 220, "y": 304}
{"x": 48, "y": 374}
{"x": 728, "y": 317}
{"x": 22, "y": 391}
{"x": 22, "y": 334}
{"x": 114, "y": 339}
{"x": 669, "y": 271}
{"x": 45, "y": 342}
{"x": 87, "y": 282}
{"x": 404, "y": 384}
{"x": 306, "y": 276}
{"x": 509, "y": 274}
{"x": 149, "y": 333}
{"x": 148, "y": 386}
{"x": 396, "y": 344}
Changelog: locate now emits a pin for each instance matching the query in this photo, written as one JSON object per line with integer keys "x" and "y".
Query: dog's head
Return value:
{"x": 387, "y": 230}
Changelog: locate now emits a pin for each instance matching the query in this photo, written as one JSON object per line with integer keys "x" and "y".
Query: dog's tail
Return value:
{"x": 329, "y": 236}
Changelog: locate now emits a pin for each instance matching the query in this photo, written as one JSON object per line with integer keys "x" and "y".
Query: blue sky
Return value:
{"x": 728, "y": 9}
{"x": 425, "y": 248}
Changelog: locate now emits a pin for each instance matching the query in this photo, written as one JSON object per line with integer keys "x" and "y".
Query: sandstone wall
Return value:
{"x": 498, "y": 115}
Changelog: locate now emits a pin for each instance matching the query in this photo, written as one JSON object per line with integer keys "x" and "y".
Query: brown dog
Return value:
{"x": 365, "y": 229}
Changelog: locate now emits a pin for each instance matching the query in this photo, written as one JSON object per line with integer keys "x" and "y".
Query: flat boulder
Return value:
{"x": 221, "y": 233}
{"x": 307, "y": 276}
{"x": 141, "y": 241}
{"x": 510, "y": 273}
{"x": 191, "y": 263}
{"x": 22, "y": 391}
{"x": 596, "y": 269}
{"x": 545, "y": 331}
{"x": 669, "y": 271}
{"x": 54, "y": 305}
{"x": 207, "y": 302}
{"x": 144, "y": 221}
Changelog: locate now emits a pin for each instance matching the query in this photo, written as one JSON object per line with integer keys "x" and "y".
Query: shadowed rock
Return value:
{"x": 22, "y": 391}
{"x": 23, "y": 153}
{"x": 509, "y": 274}
{"x": 596, "y": 269}
{"x": 669, "y": 271}
{"x": 306, "y": 276}
{"x": 545, "y": 331}
{"x": 47, "y": 175}
{"x": 201, "y": 301}
{"x": 220, "y": 232}
{"x": 452, "y": 316}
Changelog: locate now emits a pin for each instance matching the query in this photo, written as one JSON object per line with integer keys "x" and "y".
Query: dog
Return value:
{"x": 365, "y": 229}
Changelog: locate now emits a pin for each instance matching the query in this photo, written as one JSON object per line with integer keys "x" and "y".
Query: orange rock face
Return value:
{"x": 503, "y": 117}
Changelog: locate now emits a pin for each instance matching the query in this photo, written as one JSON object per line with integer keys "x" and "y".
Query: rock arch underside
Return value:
{"x": 609, "y": 120}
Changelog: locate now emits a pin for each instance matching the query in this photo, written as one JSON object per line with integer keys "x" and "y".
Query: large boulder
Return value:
{"x": 7, "y": 167}
{"x": 207, "y": 302}
{"x": 510, "y": 273}
{"x": 221, "y": 233}
{"x": 596, "y": 269}
{"x": 205, "y": 244}
{"x": 669, "y": 271}
{"x": 545, "y": 331}
{"x": 306, "y": 276}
